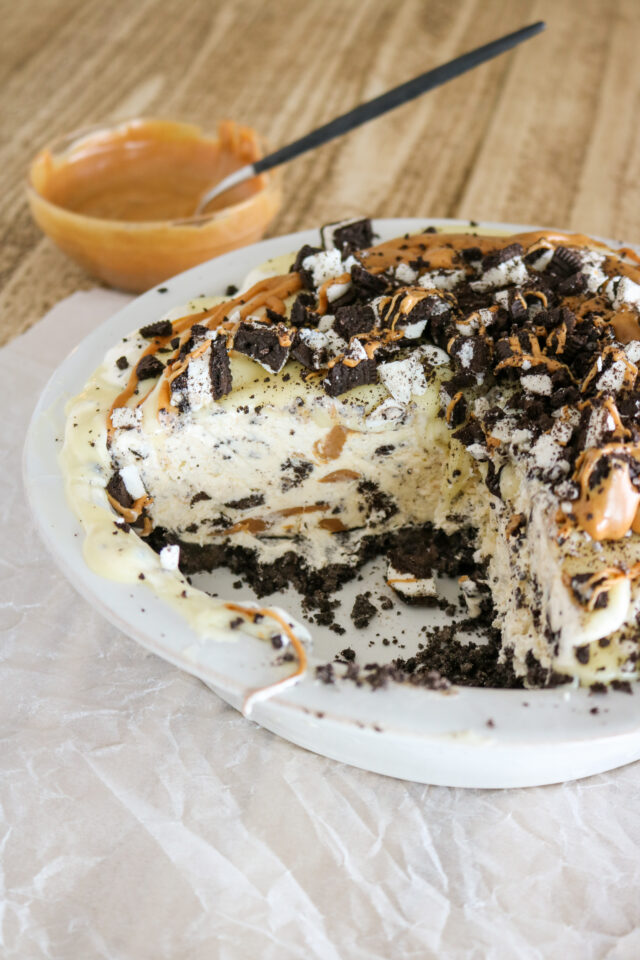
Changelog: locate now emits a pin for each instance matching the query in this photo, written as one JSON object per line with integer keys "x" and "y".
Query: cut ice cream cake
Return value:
{"x": 352, "y": 395}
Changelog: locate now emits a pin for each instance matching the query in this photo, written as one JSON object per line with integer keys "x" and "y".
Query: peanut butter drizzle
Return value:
{"x": 440, "y": 247}
{"x": 131, "y": 514}
{"x": 263, "y": 692}
{"x": 330, "y": 447}
{"x": 451, "y": 405}
{"x": 338, "y": 476}
{"x": 296, "y": 511}
{"x": 610, "y": 509}
{"x": 620, "y": 432}
{"x": 323, "y": 292}
{"x": 626, "y": 324}
{"x": 260, "y": 524}
{"x": 535, "y": 361}
{"x": 248, "y": 525}
{"x": 513, "y": 524}
{"x": 332, "y": 524}
{"x": 446, "y": 245}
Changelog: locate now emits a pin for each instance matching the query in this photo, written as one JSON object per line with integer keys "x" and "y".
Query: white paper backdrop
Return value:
{"x": 141, "y": 817}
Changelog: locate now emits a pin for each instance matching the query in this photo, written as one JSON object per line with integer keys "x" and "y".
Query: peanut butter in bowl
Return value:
{"x": 120, "y": 200}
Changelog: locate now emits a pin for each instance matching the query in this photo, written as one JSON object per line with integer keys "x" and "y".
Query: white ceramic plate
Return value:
{"x": 463, "y": 737}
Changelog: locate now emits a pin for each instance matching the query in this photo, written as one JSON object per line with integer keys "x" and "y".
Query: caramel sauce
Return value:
{"x": 338, "y": 476}
{"x": 626, "y": 325}
{"x": 451, "y": 405}
{"x": 323, "y": 292}
{"x": 131, "y": 514}
{"x": 249, "y": 525}
{"x": 332, "y": 524}
{"x": 439, "y": 249}
{"x": 330, "y": 447}
{"x": 260, "y": 524}
{"x": 296, "y": 511}
{"x": 513, "y": 524}
{"x": 121, "y": 200}
{"x": 609, "y": 509}
{"x": 149, "y": 171}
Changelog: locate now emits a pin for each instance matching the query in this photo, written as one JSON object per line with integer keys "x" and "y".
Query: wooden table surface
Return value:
{"x": 548, "y": 134}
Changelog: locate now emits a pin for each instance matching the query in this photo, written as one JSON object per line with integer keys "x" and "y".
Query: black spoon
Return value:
{"x": 372, "y": 109}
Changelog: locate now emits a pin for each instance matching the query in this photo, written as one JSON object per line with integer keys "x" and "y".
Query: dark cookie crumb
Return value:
{"x": 162, "y": 328}
{"x": 363, "y": 611}
{"x": 246, "y": 503}
{"x": 148, "y": 367}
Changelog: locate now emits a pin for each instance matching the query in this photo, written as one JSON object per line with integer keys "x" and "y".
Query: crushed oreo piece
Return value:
{"x": 342, "y": 377}
{"x": 572, "y": 286}
{"x": 564, "y": 261}
{"x": 496, "y": 257}
{"x": 122, "y": 363}
{"x": 199, "y": 331}
{"x": 458, "y": 411}
{"x": 246, "y": 503}
{"x": 197, "y": 497}
{"x": 148, "y": 367}
{"x": 363, "y": 611}
{"x": 622, "y": 686}
{"x": 116, "y": 488}
{"x": 261, "y": 343}
{"x": 492, "y": 479}
{"x": 353, "y": 320}
{"x": 325, "y": 674}
{"x": 305, "y": 275}
{"x": 294, "y": 473}
{"x": 310, "y": 348}
{"x": 161, "y": 328}
{"x": 219, "y": 369}
{"x": 301, "y": 314}
{"x": 583, "y": 653}
{"x": 471, "y": 433}
{"x": 367, "y": 285}
{"x": 472, "y": 353}
{"x": 353, "y": 236}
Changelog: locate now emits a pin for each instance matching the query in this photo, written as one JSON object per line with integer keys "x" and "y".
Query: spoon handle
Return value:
{"x": 376, "y": 107}
{"x": 396, "y": 97}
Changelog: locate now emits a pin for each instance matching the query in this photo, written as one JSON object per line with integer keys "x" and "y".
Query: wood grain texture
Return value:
{"x": 547, "y": 134}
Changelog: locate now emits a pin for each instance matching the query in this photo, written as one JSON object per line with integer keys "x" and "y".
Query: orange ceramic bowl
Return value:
{"x": 119, "y": 200}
